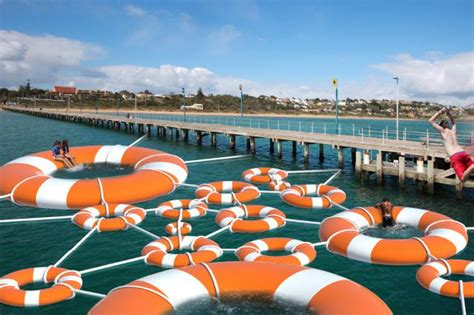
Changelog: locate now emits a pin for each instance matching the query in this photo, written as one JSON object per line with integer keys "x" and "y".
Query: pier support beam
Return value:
{"x": 252, "y": 145}
{"x": 163, "y": 132}
{"x": 358, "y": 163}
{"x": 176, "y": 132}
{"x": 279, "y": 149}
{"x": 272, "y": 146}
{"x": 321, "y": 152}
{"x": 294, "y": 149}
{"x": 401, "y": 171}
{"x": 430, "y": 178}
{"x": 248, "y": 142}
{"x": 198, "y": 137}
{"x": 353, "y": 155}
{"x": 232, "y": 141}
{"x": 379, "y": 167}
{"x": 148, "y": 129}
{"x": 306, "y": 152}
{"x": 185, "y": 133}
{"x": 213, "y": 139}
{"x": 340, "y": 157}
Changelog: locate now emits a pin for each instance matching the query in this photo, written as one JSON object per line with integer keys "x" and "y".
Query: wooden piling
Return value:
{"x": 401, "y": 171}
{"x": 306, "y": 152}
{"x": 340, "y": 157}
{"x": 213, "y": 139}
{"x": 358, "y": 163}
{"x": 232, "y": 141}
{"x": 321, "y": 152}
{"x": 279, "y": 149}
{"x": 294, "y": 149}
{"x": 252, "y": 145}
{"x": 198, "y": 137}
{"x": 379, "y": 167}
{"x": 430, "y": 178}
{"x": 272, "y": 146}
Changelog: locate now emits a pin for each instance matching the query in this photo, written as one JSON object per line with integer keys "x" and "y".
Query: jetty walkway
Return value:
{"x": 428, "y": 169}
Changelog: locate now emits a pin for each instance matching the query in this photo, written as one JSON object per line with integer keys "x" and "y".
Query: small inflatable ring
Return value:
{"x": 91, "y": 217}
{"x": 64, "y": 283}
{"x": 296, "y": 196}
{"x": 172, "y": 228}
{"x": 443, "y": 236}
{"x": 156, "y": 252}
{"x": 227, "y": 192}
{"x": 279, "y": 185}
{"x": 190, "y": 209}
{"x": 28, "y": 179}
{"x": 429, "y": 277}
{"x": 272, "y": 218}
{"x": 302, "y": 252}
{"x": 264, "y": 175}
{"x": 306, "y": 289}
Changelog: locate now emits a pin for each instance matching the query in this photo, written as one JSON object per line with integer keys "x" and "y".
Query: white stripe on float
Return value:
{"x": 32, "y": 297}
{"x": 38, "y": 273}
{"x": 189, "y": 287}
{"x": 303, "y": 259}
{"x": 355, "y": 218}
{"x": 360, "y": 248}
{"x": 440, "y": 268}
{"x": 101, "y": 155}
{"x": 177, "y": 171}
{"x": 272, "y": 223}
{"x": 168, "y": 260}
{"x": 302, "y": 286}
{"x": 115, "y": 155}
{"x": 292, "y": 244}
{"x": 454, "y": 237}
{"x": 261, "y": 245}
{"x": 227, "y": 185}
{"x": 44, "y": 165}
{"x": 410, "y": 216}
{"x": 436, "y": 285}
{"x": 226, "y": 199}
{"x": 119, "y": 209}
{"x": 317, "y": 202}
{"x": 53, "y": 193}
{"x": 252, "y": 256}
{"x": 469, "y": 270}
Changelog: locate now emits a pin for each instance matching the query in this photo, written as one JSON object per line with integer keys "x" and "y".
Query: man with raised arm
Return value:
{"x": 461, "y": 162}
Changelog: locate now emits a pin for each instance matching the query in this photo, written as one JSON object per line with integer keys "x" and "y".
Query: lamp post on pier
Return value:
{"x": 184, "y": 103}
{"x": 396, "y": 79}
{"x": 334, "y": 84}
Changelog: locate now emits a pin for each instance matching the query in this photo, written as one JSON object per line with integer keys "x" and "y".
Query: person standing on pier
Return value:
{"x": 461, "y": 162}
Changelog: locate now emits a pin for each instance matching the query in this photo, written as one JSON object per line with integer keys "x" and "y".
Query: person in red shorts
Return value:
{"x": 461, "y": 162}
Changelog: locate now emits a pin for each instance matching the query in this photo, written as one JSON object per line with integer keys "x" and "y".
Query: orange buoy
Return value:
{"x": 64, "y": 283}
{"x": 429, "y": 277}
{"x": 306, "y": 289}
{"x": 302, "y": 252}
{"x": 29, "y": 182}
{"x": 272, "y": 218}
{"x": 227, "y": 192}
{"x": 156, "y": 252}
{"x": 444, "y": 237}
{"x": 297, "y": 196}
{"x": 189, "y": 208}
{"x": 264, "y": 175}
{"x": 172, "y": 228}
{"x": 278, "y": 185}
{"x": 90, "y": 217}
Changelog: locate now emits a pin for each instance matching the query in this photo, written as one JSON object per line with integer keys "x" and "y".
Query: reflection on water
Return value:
{"x": 93, "y": 171}
{"x": 398, "y": 231}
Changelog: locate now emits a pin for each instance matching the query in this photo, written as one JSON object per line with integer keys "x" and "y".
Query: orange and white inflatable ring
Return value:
{"x": 297, "y": 196}
{"x": 189, "y": 208}
{"x": 90, "y": 217}
{"x": 302, "y": 252}
{"x": 264, "y": 175}
{"x": 278, "y": 185}
{"x": 227, "y": 192}
{"x": 306, "y": 289}
{"x": 272, "y": 218}
{"x": 443, "y": 236}
{"x": 156, "y": 252}
{"x": 429, "y": 277}
{"x": 64, "y": 283}
{"x": 28, "y": 182}
{"x": 172, "y": 228}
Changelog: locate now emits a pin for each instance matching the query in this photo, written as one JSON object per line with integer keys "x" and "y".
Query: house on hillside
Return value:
{"x": 64, "y": 90}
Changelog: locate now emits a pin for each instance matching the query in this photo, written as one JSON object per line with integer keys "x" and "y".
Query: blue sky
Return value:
{"x": 285, "y": 48}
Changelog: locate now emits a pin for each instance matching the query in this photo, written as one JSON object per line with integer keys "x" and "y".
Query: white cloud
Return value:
{"x": 220, "y": 40}
{"x": 440, "y": 77}
{"x": 134, "y": 11}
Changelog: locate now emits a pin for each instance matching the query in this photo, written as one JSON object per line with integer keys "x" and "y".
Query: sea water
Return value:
{"x": 25, "y": 245}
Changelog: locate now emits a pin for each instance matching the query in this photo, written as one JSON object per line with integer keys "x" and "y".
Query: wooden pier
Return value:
{"x": 424, "y": 172}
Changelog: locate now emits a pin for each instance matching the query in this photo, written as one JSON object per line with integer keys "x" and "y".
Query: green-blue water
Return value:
{"x": 24, "y": 245}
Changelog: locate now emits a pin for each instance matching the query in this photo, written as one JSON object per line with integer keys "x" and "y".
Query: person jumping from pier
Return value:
{"x": 461, "y": 162}
{"x": 56, "y": 151}
{"x": 386, "y": 208}
{"x": 66, "y": 155}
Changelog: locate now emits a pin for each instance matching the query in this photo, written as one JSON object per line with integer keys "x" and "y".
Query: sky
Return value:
{"x": 272, "y": 47}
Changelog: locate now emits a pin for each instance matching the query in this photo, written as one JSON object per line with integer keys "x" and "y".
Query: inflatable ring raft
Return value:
{"x": 28, "y": 182}
{"x": 278, "y": 185}
{"x": 189, "y": 208}
{"x": 429, "y": 277}
{"x": 172, "y": 228}
{"x": 156, "y": 252}
{"x": 307, "y": 289}
{"x": 264, "y": 175}
{"x": 302, "y": 252}
{"x": 64, "y": 283}
{"x": 227, "y": 192}
{"x": 99, "y": 216}
{"x": 272, "y": 218}
{"x": 297, "y": 196}
{"x": 443, "y": 236}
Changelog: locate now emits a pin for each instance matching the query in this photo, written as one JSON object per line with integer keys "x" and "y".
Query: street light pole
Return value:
{"x": 241, "y": 101}
{"x": 334, "y": 83}
{"x": 396, "y": 79}
{"x": 184, "y": 103}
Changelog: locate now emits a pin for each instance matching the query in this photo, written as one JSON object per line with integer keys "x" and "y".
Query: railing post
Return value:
{"x": 300, "y": 125}
{"x": 312, "y": 127}
{"x": 369, "y": 131}
{"x": 278, "y": 125}
{"x": 362, "y": 135}
{"x": 324, "y": 128}
{"x": 353, "y": 130}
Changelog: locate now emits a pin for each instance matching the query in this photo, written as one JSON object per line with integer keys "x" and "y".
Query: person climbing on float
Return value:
{"x": 461, "y": 162}
{"x": 386, "y": 208}
{"x": 66, "y": 155}
{"x": 56, "y": 151}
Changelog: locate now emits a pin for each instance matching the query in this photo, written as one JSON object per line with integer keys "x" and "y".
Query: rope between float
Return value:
{"x": 89, "y": 293}
{"x": 214, "y": 281}
{"x": 102, "y": 197}
{"x": 143, "y": 231}
{"x": 110, "y": 265}
{"x": 461, "y": 297}
{"x": 218, "y": 231}
{"x": 84, "y": 238}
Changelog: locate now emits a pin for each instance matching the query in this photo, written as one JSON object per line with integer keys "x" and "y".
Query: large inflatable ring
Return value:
{"x": 227, "y": 192}
{"x": 189, "y": 209}
{"x": 272, "y": 218}
{"x": 264, "y": 175}
{"x": 326, "y": 195}
{"x": 100, "y": 217}
{"x": 172, "y": 228}
{"x": 279, "y": 185}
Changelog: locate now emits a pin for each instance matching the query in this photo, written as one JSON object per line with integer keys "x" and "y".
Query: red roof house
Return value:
{"x": 64, "y": 90}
